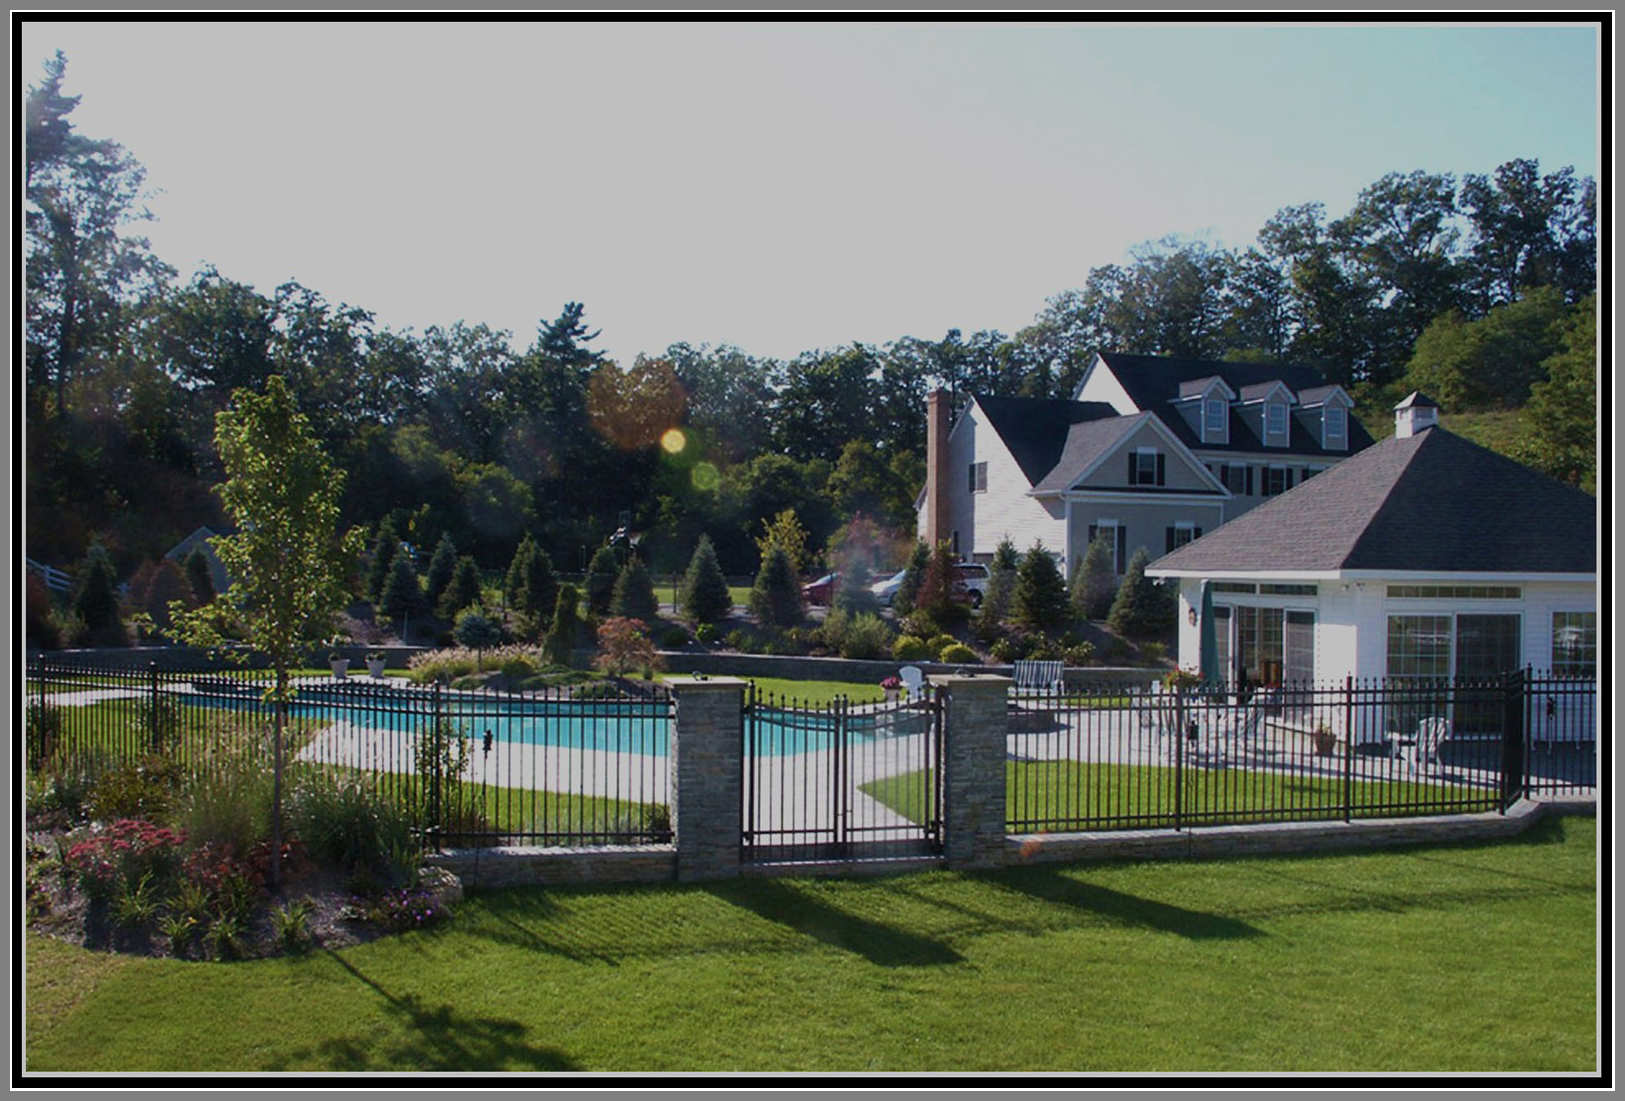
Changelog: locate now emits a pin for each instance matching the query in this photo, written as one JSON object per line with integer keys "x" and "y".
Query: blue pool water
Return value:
{"x": 638, "y": 728}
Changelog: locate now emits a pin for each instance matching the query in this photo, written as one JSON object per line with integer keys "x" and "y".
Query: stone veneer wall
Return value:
{"x": 973, "y": 781}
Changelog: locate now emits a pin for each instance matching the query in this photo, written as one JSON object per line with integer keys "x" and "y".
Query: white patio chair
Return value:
{"x": 913, "y": 682}
{"x": 1423, "y": 750}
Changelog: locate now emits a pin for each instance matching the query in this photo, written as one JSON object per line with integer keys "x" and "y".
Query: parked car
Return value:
{"x": 886, "y": 591}
{"x": 974, "y": 576}
{"x": 821, "y": 591}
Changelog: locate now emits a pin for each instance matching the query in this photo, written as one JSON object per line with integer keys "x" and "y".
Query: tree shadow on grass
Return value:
{"x": 884, "y": 945}
{"x": 1051, "y": 886}
{"x": 440, "y": 1038}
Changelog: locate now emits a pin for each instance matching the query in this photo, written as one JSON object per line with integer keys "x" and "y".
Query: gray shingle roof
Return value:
{"x": 1084, "y": 444}
{"x": 1036, "y": 430}
{"x": 1432, "y": 502}
{"x": 1153, "y": 384}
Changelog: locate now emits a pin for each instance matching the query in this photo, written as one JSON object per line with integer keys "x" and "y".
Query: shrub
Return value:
{"x": 942, "y": 594}
{"x": 1081, "y": 653}
{"x": 402, "y": 595}
{"x": 40, "y": 626}
{"x": 704, "y": 596}
{"x": 126, "y": 852}
{"x": 1153, "y": 651}
{"x": 58, "y": 798}
{"x": 144, "y": 790}
{"x": 400, "y": 909}
{"x": 623, "y": 645}
{"x": 290, "y": 924}
{"x": 95, "y": 599}
{"x": 673, "y": 638}
{"x": 919, "y": 624}
{"x": 634, "y": 595}
{"x": 382, "y": 557}
{"x": 515, "y": 666}
{"x": 42, "y": 724}
{"x": 451, "y": 663}
{"x": 1001, "y": 591}
{"x": 910, "y": 648}
{"x": 741, "y": 640}
{"x": 477, "y": 630}
{"x": 442, "y": 566}
{"x": 158, "y": 720}
{"x": 135, "y": 903}
{"x": 938, "y": 643}
{"x": 707, "y": 633}
{"x": 1003, "y": 650}
{"x": 229, "y": 805}
{"x": 561, "y": 637}
{"x": 463, "y": 591}
{"x": 958, "y": 654}
{"x": 531, "y": 585}
{"x": 1095, "y": 580}
{"x": 913, "y": 574}
{"x": 858, "y": 636}
{"x": 347, "y": 825}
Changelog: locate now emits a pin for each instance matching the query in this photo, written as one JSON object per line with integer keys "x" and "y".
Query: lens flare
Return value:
{"x": 674, "y": 441}
{"x": 705, "y": 476}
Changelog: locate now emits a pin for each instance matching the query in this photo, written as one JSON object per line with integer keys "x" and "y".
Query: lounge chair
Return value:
{"x": 913, "y": 682}
{"x": 1431, "y": 734}
{"x": 1033, "y": 678}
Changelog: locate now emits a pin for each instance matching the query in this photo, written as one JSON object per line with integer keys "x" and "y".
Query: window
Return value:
{"x": 1419, "y": 647}
{"x": 1574, "y": 644}
{"x": 1276, "y": 481}
{"x": 1454, "y": 592}
{"x": 1115, "y": 534}
{"x": 1259, "y": 644}
{"x": 1182, "y": 533}
{"x": 1275, "y": 421}
{"x": 1298, "y": 648}
{"x": 1146, "y": 467}
{"x": 978, "y": 477}
{"x": 1234, "y": 587}
{"x": 1336, "y": 425}
{"x": 1289, "y": 590}
{"x": 1215, "y": 421}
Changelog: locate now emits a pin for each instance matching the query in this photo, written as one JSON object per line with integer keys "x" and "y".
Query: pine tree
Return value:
{"x": 383, "y": 559}
{"x": 705, "y": 597}
{"x": 940, "y": 596}
{"x": 441, "y": 566}
{"x": 775, "y": 598}
{"x": 403, "y": 594}
{"x": 903, "y": 599}
{"x": 1142, "y": 609}
{"x": 1094, "y": 582}
{"x": 538, "y": 587}
{"x": 196, "y": 566}
{"x": 1041, "y": 598}
{"x": 1001, "y": 589}
{"x": 477, "y": 630}
{"x": 95, "y": 598}
{"x": 602, "y": 574}
{"x": 634, "y": 595}
{"x": 561, "y": 639}
{"x": 513, "y": 582}
{"x": 463, "y": 590}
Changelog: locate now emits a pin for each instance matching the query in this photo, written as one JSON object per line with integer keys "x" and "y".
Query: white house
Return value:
{"x": 1152, "y": 451}
{"x": 1425, "y": 557}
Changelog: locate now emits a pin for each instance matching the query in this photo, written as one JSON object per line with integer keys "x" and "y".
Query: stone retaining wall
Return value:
{"x": 523, "y": 867}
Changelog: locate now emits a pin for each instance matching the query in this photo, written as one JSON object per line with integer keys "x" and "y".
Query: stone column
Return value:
{"x": 707, "y": 776}
{"x": 973, "y": 764}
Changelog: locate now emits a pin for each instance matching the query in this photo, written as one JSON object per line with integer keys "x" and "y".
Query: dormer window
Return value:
{"x": 1275, "y": 423}
{"x": 1336, "y": 428}
{"x": 1215, "y": 421}
{"x": 1146, "y": 467}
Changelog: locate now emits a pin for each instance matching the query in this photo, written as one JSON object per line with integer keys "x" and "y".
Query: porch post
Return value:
{"x": 975, "y": 725}
{"x": 706, "y": 776}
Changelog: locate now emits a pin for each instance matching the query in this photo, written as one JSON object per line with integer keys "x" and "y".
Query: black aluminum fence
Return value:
{"x": 477, "y": 767}
{"x": 840, "y": 782}
{"x": 1104, "y": 758}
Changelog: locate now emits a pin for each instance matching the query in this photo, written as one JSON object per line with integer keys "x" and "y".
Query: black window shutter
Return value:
{"x": 1249, "y": 481}
{"x": 1161, "y": 470}
{"x": 1289, "y": 477}
{"x": 1196, "y": 533}
{"x": 1133, "y": 471}
{"x": 1122, "y": 549}
{"x": 1093, "y": 531}
{"x": 1170, "y": 539}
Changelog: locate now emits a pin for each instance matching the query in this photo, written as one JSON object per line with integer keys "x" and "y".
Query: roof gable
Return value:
{"x": 1035, "y": 430}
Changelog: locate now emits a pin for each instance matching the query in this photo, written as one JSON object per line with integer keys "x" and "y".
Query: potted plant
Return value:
{"x": 340, "y": 665}
{"x": 893, "y": 688}
{"x": 1325, "y": 740}
{"x": 375, "y": 665}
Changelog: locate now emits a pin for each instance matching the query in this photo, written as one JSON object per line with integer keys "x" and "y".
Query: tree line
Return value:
{"x": 1481, "y": 290}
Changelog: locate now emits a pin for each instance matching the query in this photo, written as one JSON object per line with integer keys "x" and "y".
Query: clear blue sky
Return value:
{"x": 779, "y": 186}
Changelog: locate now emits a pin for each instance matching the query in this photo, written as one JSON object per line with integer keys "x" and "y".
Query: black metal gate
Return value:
{"x": 842, "y": 782}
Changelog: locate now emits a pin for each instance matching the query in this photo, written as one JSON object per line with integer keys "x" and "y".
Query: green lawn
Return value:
{"x": 1057, "y": 795}
{"x": 813, "y": 693}
{"x": 1461, "y": 958}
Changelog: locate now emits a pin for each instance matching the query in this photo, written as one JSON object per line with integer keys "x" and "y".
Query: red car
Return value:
{"x": 821, "y": 591}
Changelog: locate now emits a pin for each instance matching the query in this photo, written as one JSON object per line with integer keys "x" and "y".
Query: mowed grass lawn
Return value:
{"x": 1462, "y": 958}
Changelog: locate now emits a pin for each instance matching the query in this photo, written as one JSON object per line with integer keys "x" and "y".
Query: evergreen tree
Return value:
{"x": 538, "y": 587}
{"x": 477, "y": 630}
{"x": 196, "y": 566}
{"x": 441, "y": 566}
{"x": 463, "y": 590}
{"x": 1001, "y": 588}
{"x": 903, "y": 599}
{"x": 403, "y": 593}
{"x": 940, "y": 596}
{"x": 561, "y": 639}
{"x": 513, "y": 582}
{"x": 383, "y": 560}
{"x": 95, "y": 598}
{"x": 1094, "y": 582}
{"x": 634, "y": 596}
{"x": 602, "y": 574}
{"x": 1041, "y": 598}
{"x": 1142, "y": 609}
{"x": 705, "y": 597}
{"x": 775, "y": 598}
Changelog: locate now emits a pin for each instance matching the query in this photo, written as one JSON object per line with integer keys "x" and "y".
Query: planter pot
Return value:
{"x": 1325, "y": 744}
{"x": 892, "y": 694}
{"x": 340, "y": 668}
{"x": 375, "y": 669}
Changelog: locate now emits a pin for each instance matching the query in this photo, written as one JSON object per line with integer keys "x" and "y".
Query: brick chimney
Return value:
{"x": 936, "y": 467}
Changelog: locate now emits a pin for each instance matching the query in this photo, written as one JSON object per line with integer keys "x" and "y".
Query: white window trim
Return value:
{"x": 1271, "y": 433}
{"x": 1221, "y": 434}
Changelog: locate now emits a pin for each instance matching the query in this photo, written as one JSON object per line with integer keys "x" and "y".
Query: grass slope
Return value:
{"x": 1476, "y": 957}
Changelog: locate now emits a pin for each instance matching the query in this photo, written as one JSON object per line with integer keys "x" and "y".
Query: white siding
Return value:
{"x": 1101, "y": 385}
{"x": 984, "y": 519}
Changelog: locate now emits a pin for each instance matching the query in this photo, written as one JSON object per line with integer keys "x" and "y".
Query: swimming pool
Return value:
{"x": 635, "y": 726}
